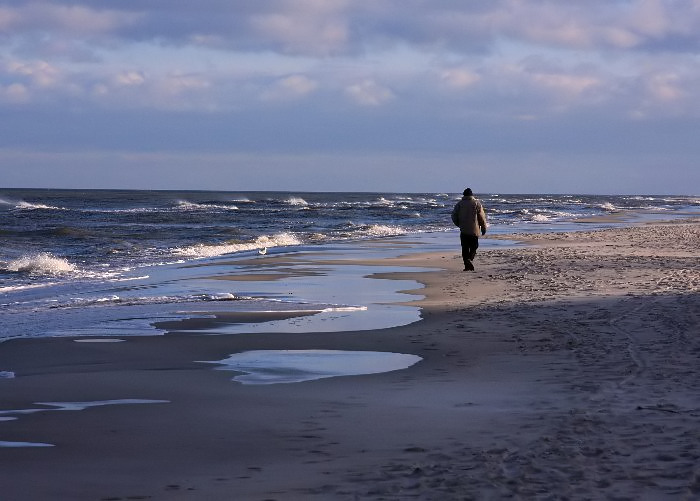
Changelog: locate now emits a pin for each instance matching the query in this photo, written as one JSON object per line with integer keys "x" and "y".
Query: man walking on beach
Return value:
{"x": 469, "y": 215}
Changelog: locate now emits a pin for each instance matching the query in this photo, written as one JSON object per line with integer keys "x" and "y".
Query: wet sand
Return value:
{"x": 566, "y": 369}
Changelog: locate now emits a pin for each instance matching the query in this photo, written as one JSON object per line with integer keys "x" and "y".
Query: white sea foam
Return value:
{"x": 15, "y": 288}
{"x": 42, "y": 263}
{"x": 608, "y": 207}
{"x": 546, "y": 216}
{"x": 21, "y": 204}
{"x": 115, "y": 300}
{"x": 384, "y": 202}
{"x": 298, "y": 201}
{"x": 129, "y": 279}
{"x": 384, "y": 230}
{"x": 31, "y": 206}
{"x": 133, "y": 210}
{"x": 264, "y": 241}
{"x": 185, "y": 205}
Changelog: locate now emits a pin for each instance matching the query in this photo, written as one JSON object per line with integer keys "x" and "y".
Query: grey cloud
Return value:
{"x": 316, "y": 27}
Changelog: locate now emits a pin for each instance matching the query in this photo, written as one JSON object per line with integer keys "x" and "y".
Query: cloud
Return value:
{"x": 316, "y": 27}
{"x": 369, "y": 93}
{"x": 333, "y": 27}
{"x": 289, "y": 88}
{"x": 14, "y": 94}
{"x": 75, "y": 19}
{"x": 372, "y": 76}
{"x": 39, "y": 73}
{"x": 166, "y": 92}
{"x": 459, "y": 78}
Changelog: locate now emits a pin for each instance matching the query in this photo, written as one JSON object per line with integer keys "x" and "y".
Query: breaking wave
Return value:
{"x": 22, "y": 205}
{"x": 384, "y": 230}
{"x": 262, "y": 242}
{"x": 297, "y": 201}
{"x": 608, "y": 207}
{"x": 185, "y": 205}
{"x": 42, "y": 263}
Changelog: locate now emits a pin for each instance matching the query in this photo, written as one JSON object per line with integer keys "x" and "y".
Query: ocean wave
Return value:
{"x": 45, "y": 264}
{"x": 353, "y": 231}
{"x": 22, "y": 205}
{"x": 262, "y": 242}
{"x": 543, "y": 215}
{"x": 296, "y": 201}
{"x": 607, "y": 206}
{"x": 185, "y": 205}
{"x": 42, "y": 263}
{"x": 130, "y": 210}
{"x": 382, "y": 201}
{"x": 640, "y": 197}
{"x": 384, "y": 230}
{"x": 30, "y": 206}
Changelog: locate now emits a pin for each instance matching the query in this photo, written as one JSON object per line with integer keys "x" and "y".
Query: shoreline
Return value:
{"x": 566, "y": 369}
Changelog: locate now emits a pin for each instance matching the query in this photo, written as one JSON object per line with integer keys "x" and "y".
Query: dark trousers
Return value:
{"x": 469, "y": 245}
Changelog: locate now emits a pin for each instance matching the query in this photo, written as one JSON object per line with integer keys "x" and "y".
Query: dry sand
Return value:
{"x": 563, "y": 370}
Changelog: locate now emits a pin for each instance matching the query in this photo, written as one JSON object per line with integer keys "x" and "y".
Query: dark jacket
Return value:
{"x": 469, "y": 215}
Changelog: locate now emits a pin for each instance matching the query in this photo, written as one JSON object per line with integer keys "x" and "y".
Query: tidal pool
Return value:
{"x": 296, "y": 366}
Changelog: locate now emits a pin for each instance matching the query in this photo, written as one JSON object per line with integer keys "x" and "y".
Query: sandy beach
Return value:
{"x": 566, "y": 368}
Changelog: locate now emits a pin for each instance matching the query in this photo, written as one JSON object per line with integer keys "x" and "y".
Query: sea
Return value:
{"x": 114, "y": 263}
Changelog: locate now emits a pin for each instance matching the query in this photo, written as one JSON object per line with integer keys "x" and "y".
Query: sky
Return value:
{"x": 505, "y": 96}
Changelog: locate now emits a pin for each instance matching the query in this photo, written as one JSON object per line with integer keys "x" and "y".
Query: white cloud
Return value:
{"x": 15, "y": 94}
{"x": 39, "y": 73}
{"x": 169, "y": 92}
{"x": 459, "y": 78}
{"x": 369, "y": 93}
{"x": 130, "y": 78}
{"x": 289, "y": 88}
{"x": 665, "y": 87}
